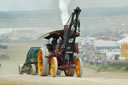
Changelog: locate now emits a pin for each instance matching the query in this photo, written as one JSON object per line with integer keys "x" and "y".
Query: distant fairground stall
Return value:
{"x": 100, "y": 51}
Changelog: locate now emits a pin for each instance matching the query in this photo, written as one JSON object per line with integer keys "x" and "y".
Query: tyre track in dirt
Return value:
{"x": 16, "y": 79}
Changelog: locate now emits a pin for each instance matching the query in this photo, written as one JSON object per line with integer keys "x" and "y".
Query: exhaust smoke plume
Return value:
{"x": 63, "y": 5}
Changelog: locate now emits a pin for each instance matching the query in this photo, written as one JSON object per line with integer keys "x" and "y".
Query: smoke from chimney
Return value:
{"x": 63, "y": 5}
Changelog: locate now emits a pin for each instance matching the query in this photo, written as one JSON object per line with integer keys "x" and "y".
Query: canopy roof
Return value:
{"x": 54, "y": 34}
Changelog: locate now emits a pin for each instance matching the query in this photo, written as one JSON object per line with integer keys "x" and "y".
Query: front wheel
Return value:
{"x": 69, "y": 72}
{"x": 33, "y": 69}
{"x": 79, "y": 67}
{"x": 43, "y": 65}
{"x": 54, "y": 67}
{"x": 20, "y": 69}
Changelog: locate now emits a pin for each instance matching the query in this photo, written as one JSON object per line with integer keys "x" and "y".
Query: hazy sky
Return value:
{"x": 9, "y": 5}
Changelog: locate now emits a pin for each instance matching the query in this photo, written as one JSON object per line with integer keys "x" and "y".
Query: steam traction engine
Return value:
{"x": 58, "y": 55}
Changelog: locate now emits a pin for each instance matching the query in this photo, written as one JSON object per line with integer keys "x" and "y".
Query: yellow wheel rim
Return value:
{"x": 52, "y": 67}
{"x": 77, "y": 67}
{"x": 40, "y": 62}
{"x": 67, "y": 71}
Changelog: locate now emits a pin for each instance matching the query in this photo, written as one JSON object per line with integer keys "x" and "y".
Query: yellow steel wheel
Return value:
{"x": 54, "y": 66}
{"x": 79, "y": 67}
{"x": 69, "y": 72}
{"x": 66, "y": 71}
{"x": 43, "y": 64}
{"x": 40, "y": 62}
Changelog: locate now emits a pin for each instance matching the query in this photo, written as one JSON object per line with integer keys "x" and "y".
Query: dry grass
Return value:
{"x": 17, "y": 55}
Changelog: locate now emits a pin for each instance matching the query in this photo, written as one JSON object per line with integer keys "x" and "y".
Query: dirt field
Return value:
{"x": 17, "y": 52}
